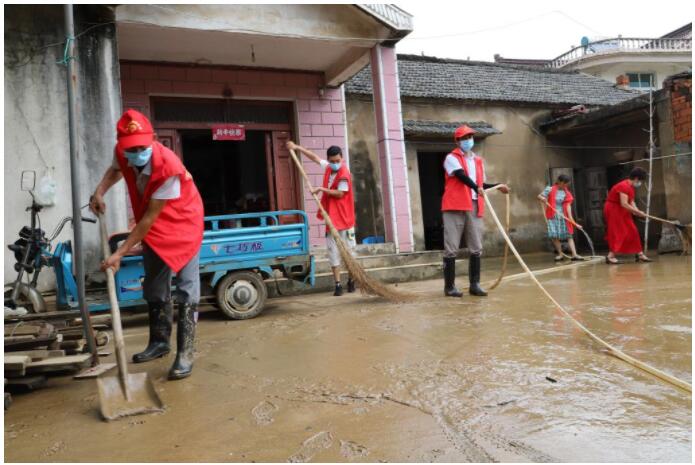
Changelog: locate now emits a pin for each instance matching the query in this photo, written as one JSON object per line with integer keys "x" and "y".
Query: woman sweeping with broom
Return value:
{"x": 558, "y": 200}
{"x": 621, "y": 232}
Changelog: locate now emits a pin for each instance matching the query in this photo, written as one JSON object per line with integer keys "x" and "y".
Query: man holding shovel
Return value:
{"x": 337, "y": 200}
{"x": 169, "y": 214}
{"x": 462, "y": 210}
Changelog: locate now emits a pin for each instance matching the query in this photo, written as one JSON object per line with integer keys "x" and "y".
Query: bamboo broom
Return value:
{"x": 366, "y": 284}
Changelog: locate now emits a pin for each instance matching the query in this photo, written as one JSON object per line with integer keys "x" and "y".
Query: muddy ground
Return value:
{"x": 319, "y": 378}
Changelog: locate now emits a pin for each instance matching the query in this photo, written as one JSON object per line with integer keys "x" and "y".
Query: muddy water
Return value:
{"x": 352, "y": 379}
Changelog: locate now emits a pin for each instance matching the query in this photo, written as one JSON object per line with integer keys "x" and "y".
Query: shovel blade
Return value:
{"x": 141, "y": 396}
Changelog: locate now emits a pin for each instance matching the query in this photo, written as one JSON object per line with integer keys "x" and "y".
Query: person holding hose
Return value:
{"x": 337, "y": 199}
{"x": 462, "y": 210}
{"x": 557, "y": 200}
{"x": 169, "y": 221}
{"x": 621, "y": 233}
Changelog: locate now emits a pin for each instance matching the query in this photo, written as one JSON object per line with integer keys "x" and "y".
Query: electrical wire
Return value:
{"x": 656, "y": 158}
{"x": 34, "y": 53}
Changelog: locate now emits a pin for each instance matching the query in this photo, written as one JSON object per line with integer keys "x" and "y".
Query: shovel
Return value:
{"x": 125, "y": 394}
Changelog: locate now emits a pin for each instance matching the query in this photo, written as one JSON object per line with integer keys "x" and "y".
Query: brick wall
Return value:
{"x": 320, "y": 119}
{"x": 682, "y": 111}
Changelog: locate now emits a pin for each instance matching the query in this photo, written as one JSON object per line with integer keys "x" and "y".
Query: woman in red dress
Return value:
{"x": 621, "y": 232}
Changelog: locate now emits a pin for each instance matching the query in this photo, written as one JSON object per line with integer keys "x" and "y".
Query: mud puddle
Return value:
{"x": 505, "y": 378}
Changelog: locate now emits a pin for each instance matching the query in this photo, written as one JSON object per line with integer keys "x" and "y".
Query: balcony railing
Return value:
{"x": 621, "y": 44}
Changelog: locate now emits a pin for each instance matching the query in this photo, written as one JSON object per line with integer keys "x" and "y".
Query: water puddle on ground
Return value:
{"x": 319, "y": 378}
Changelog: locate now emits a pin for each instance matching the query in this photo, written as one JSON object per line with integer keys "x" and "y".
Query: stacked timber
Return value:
{"x": 36, "y": 348}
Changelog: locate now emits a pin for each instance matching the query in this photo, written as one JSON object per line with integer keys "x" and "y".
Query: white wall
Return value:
{"x": 36, "y": 121}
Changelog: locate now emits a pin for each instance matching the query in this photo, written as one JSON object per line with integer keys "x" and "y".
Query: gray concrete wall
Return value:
{"x": 516, "y": 157}
{"x": 364, "y": 165}
{"x": 36, "y": 121}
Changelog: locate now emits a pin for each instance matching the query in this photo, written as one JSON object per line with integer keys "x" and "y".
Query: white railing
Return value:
{"x": 621, "y": 44}
{"x": 391, "y": 14}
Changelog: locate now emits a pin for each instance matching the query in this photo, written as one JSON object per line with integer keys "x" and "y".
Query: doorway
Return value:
{"x": 231, "y": 176}
{"x": 431, "y": 191}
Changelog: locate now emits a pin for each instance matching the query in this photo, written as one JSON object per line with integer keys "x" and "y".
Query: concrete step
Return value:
{"x": 415, "y": 268}
{"x": 386, "y": 260}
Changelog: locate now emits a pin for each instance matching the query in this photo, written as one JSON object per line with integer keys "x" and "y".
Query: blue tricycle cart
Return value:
{"x": 237, "y": 254}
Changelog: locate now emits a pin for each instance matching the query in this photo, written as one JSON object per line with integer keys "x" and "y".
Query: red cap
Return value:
{"x": 463, "y": 131}
{"x": 134, "y": 129}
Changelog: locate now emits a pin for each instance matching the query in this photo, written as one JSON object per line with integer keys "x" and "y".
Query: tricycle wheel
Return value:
{"x": 241, "y": 295}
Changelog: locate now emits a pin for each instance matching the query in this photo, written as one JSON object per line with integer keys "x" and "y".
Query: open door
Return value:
{"x": 285, "y": 176}
{"x": 170, "y": 139}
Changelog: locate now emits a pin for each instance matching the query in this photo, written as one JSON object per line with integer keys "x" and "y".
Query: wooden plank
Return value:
{"x": 16, "y": 364}
{"x": 74, "y": 344}
{"x": 69, "y": 362}
{"x": 94, "y": 372}
{"x": 22, "y": 330}
{"x": 26, "y": 337}
{"x": 40, "y": 354}
{"x": 67, "y": 314}
{"x": 26, "y": 383}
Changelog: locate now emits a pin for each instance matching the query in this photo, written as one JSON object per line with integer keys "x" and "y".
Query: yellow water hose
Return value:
{"x": 611, "y": 350}
{"x": 506, "y": 249}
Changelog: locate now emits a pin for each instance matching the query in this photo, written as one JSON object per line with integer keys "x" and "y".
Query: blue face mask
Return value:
{"x": 139, "y": 158}
{"x": 466, "y": 144}
{"x": 334, "y": 166}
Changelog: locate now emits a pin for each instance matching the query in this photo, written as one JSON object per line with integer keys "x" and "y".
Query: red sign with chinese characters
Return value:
{"x": 228, "y": 132}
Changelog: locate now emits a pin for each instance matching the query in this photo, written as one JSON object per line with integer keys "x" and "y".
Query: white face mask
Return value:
{"x": 637, "y": 183}
{"x": 466, "y": 145}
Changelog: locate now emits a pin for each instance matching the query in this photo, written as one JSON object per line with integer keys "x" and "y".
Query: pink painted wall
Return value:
{"x": 320, "y": 120}
{"x": 391, "y": 147}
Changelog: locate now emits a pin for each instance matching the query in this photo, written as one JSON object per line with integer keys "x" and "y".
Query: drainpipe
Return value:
{"x": 346, "y": 149}
{"x": 75, "y": 182}
{"x": 384, "y": 125}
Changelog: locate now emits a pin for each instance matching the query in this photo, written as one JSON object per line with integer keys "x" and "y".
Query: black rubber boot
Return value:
{"x": 474, "y": 276}
{"x": 185, "y": 338}
{"x": 450, "y": 278}
{"x": 351, "y": 285}
{"x": 338, "y": 290}
{"x": 161, "y": 319}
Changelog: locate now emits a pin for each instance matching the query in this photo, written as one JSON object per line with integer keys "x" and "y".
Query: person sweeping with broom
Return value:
{"x": 462, "y": 210}
{"x": 557, "y": 200}
{"x": 338, "y": 201}
{"x": 169, "y": 214}
{"x": 621, "y": 233}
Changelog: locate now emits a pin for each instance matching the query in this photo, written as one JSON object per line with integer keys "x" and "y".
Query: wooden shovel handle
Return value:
{"x": 115, "y": 310}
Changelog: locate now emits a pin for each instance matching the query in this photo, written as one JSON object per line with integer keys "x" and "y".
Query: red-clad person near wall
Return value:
{"x": 169, "y": 223}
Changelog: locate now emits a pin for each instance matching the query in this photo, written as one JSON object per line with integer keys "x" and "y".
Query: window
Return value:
{"x": 641, "y": 80}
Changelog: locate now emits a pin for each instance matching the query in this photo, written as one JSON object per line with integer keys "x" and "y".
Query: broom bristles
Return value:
{"x": 367, "y": 284}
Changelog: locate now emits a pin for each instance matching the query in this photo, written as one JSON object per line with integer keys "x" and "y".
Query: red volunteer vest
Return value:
{"x": 457, "y": 195}
{"x": 341, "y": 210}
{"x": 177, "y": 232}
{"x": 550, "y": 213}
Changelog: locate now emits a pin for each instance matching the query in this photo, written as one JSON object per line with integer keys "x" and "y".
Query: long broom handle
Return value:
{"x": 115, "y": 311}
{"x": 656, "y": 218}
{"x": 574, "y": 223}
{"x": 326, "y": 218}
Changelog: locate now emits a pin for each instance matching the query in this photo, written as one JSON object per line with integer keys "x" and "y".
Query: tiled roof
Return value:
{"x": 444, "y": 128}
{"x": 435, "y": 78}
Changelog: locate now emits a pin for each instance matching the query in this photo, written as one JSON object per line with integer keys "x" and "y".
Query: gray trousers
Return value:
{"x": 157, "y": 285}
{"x": 457, "y": 223}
